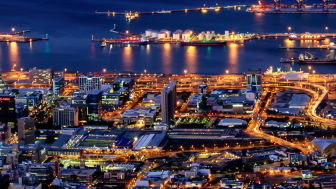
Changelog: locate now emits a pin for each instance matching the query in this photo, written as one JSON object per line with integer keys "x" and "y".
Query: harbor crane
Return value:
{"x": 14, "y": 64}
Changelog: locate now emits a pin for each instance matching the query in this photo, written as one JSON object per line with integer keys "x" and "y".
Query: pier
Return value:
{"x": 309, "y": 9}
{"x": 15, "y": 37}
{"x": 216, "y": 8}
{"x": 318, "y": 47}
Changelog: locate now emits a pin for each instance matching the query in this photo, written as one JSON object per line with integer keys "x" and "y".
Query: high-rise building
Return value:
{"x": 3, "y": 85}
{"x": 5, "y": 132}
{"x": 40, "y": 76}
{"x": 168, "y": 102}
{"x": 94, "y": 105}
{"x": 58, "y": 85}
{"x": 254, "y": 79}
{"x": 89, "y": 83}
{"x": 26, "y": 130}
{"x": 65, "y": 115}
{"x": 79, "y": 100}
{"x": 7, "y": 109}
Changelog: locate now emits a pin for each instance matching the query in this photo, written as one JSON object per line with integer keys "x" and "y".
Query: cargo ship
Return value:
{"x": 129, "y": 41}
{"x": 203, "y": 43}
{"x": 306, "y": 36}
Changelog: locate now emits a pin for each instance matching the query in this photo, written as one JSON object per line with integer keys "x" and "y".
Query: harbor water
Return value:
{"x": 71, "y": 24}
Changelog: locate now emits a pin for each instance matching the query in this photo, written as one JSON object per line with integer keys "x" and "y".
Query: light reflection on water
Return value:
{"x": 127, "y": 58}
{"x": 167, "y": 57}
{"x": 13, "y": 53}
{"x": 191, "y": 59}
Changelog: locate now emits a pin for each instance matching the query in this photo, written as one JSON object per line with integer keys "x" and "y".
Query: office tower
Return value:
{"x": 89, "y": 83}
{"x": 40, "y": 76}
{"x": 26, "y": 130}
{"x": 168, "y": 102}
{"x": 58, "y": 85}
{"x": 5, "y": 132}
{"x": 65, "y": 115}
{"x": 94, "y": 105}
{"x": 254, "y": 79}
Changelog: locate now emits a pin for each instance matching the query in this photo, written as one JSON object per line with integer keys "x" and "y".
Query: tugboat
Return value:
{"x": 163, "y": 11}
{"x": 103, "y": 44}
{"x": 332, "y": 45}
{"x": 306, "y": 36}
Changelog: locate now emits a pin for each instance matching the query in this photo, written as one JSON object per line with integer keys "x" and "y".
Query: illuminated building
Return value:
{"x": 26, "y": 130}
{"x": 196, "y": 102}
{"x": 82, "y": 176}
{"x": 7, "y": 109}
{"x": 168, "y": 102}
{"x": 79, "y": 100}
{"x": 94, "y": 105}
{"x": 254, "y": 79}
{"x": 28, "y": 180}
{"x": 202, "y": 89}
{"x": 5, "y": 132}
{"x": 133, "y": 115}
{"x": 116, "y": 99}
{"x": 65, "y": 115}
{"x": 43, "y": 172}
{"x": 247, "y": 177}
{"x": 40, "y": 76}
{"x": 3, "y": 85}
{"x": 123, "y": 82}
{"x": 89, "y": 83}
{"x": 31, "y": 152}
{"x": 58, "y": 85}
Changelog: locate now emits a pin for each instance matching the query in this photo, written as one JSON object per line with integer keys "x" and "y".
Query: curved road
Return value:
{"x": 317, "y": 98}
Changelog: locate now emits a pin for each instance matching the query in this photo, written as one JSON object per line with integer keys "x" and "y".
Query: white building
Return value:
{"x": 65, "y": 115}
{"x": 89, "y": 82}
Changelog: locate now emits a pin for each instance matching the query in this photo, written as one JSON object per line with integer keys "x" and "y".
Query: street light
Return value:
{"x": 145, "y": 71}
{"x": 126, "y": 31}
{"x": 21, "y": 69}
{"x": 326, "y": 28}
{"x": 185, "y": 72}
{"x": 309, "y": 68}
{"x": 65, "y": 69}
{"x": 227, "y": 71}
{"x": 104, "y": 70}
{"x": 13, "y": 29}
{"x": 289, "y": 28}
